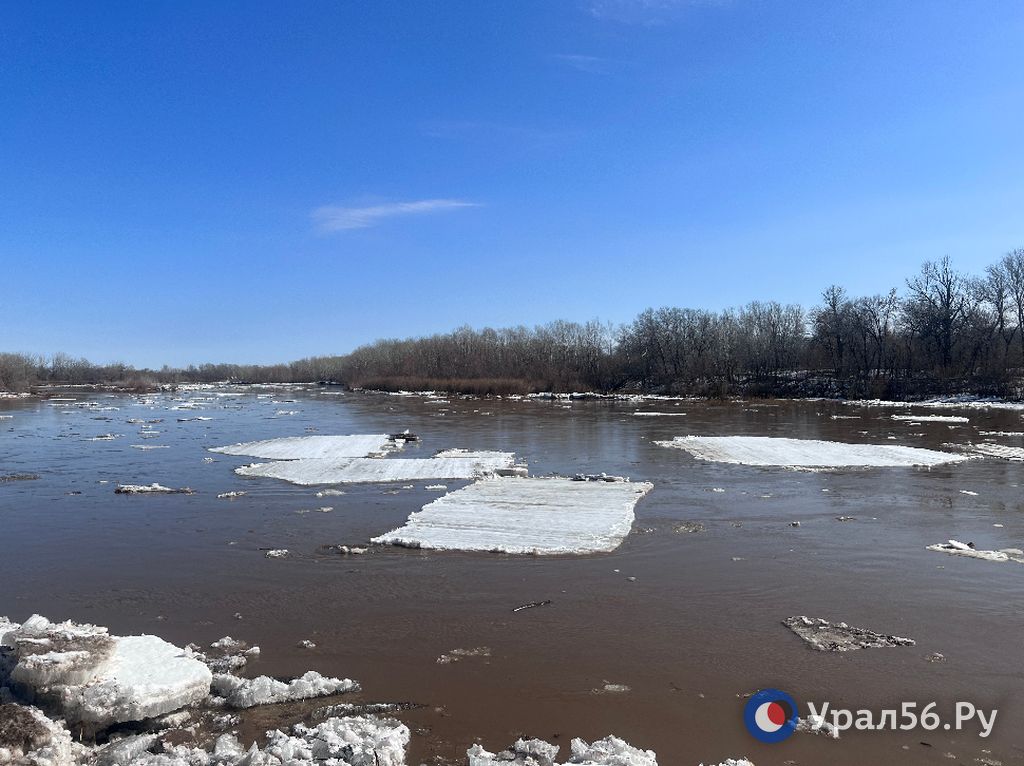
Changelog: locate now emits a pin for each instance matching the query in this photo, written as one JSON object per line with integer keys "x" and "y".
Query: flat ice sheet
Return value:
{"x": 520, "y": 515}
{"x": 805, "y": 453}
{"x": 999, "y": 450}
{"x": 466, "y": 465}
{"x": 933, "y": 418}
{"x": 311, "y": 447}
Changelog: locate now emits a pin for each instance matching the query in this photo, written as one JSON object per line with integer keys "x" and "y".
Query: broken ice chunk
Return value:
{"x": 264, "y": 690}
{"x": 828, "y": 636}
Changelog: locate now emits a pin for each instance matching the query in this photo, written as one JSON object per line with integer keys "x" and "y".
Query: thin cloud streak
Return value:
{"x": 330, "y": 218}
{"x": 583, "y": 63}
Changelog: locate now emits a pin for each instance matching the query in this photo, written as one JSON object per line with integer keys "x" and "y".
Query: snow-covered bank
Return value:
{"x": 520, "y": 515}
{"x": 453, "y": 464}
{"x": 805, "y": 453}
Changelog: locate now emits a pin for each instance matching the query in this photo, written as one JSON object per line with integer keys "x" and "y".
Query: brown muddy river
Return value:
{"x": 696, "y": 630}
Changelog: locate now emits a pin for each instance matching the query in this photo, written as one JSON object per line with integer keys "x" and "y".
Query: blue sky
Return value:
{"x": 211, "y": 181}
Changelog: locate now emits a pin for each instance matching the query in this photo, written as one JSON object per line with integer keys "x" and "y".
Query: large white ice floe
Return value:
{"x": 610, "y": 751}
{"x": 312, "y": 447}
{"x": 957, "y": 548}
{"x": 521, "y": 515}
{"x": 264, "y": 690}
{"x": 93, "y": 678}
{"x": 453, "y": 464}
{"x": 805, "y": 453}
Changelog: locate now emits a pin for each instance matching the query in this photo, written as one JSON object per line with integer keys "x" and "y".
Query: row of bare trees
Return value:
{"x": 945, "y": 331}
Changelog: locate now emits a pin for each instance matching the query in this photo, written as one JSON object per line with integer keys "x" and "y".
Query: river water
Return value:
{"x": 696, "y": 630}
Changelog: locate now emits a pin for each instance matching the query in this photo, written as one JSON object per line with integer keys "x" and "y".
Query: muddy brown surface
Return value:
{"x": 698, "y": 628}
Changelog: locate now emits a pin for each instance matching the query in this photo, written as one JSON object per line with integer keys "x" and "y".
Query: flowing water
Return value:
{"x": 696, "y": 630}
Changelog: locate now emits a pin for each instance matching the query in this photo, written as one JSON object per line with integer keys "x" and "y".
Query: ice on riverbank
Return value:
{"x": 965, "y": 401}
{"x": 264, "y": 690}
{"x": 91, "y": 677}
{"x": 452, "y": 464}
{"x": 957, "y": 548}
{"x": 805, "y": 453}
{"x": 520, "y": 515}
{"x": 312, "y": 447}
{"x": 610, "y": 751}
{"x": 828, "y": 636}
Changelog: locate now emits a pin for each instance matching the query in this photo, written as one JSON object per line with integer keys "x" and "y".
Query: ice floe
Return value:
{"x": 957, "y": 548}
{"x": 312, "y": 447}
{"x": 610, "y": 751}
{"x": 805, "y": 453}
{"x": 453, "y": 464}
{"x": 828, "y": 636}
{"x": 458, "y": 654}
{"x": 151, "y": 489}
{"x": 91, "y": 677}
{"x": 520, "y": 515}
{"x": 999, "y": 450}
{"x": 932, "y": 418}
{"x": 264, "y": 690}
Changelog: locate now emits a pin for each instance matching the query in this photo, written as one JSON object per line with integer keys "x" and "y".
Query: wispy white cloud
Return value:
{"x": 584, "y": 63}
{"x": 341, "y": 217}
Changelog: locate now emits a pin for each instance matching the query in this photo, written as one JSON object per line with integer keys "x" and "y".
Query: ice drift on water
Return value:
{"x": 805, "y": 453}
{"x": 264, "y": 690}
{"x": 91, "y": 677}
{"x": 1003, "y": 451}
{"x": 312, "y": 447}
{"x": 828, "y": 636}
{"x": 957, "y": 548}
{"x": 520, "y": 515}
{"x": 932, "y": 418}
